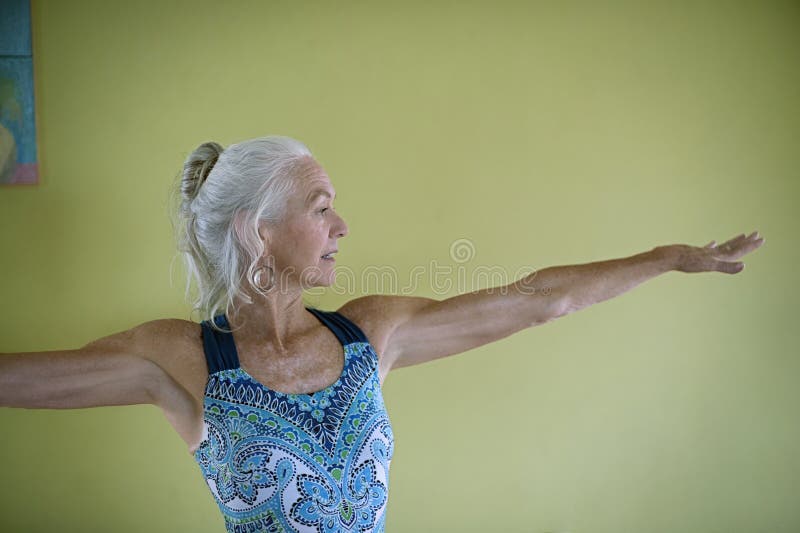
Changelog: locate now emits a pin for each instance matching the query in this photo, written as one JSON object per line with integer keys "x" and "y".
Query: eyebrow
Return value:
{"x": 319, "y": 192}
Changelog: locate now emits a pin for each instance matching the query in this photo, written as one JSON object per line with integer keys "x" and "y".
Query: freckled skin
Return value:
{"x": 281, "y": 344}
{"x": 308, "y": 231}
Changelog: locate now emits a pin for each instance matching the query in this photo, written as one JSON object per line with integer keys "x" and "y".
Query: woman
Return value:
{"x": 281, "y": 404}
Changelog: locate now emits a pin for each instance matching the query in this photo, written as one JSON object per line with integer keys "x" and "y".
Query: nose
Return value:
{"x": 340, "y": 229}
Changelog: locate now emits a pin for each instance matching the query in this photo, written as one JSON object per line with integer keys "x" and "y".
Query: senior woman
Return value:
{"x": 280, "y": 404}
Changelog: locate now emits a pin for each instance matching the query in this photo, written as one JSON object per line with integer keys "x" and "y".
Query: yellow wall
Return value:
{"x": 544, "y": 133}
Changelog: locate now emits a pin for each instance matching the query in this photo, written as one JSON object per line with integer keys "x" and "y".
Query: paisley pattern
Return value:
{"x": 299, "y": 462}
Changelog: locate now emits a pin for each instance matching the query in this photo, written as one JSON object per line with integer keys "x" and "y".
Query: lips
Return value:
{"x": 329, "y": 255}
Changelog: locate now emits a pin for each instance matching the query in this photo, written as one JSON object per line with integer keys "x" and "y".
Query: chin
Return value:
{"x": 321, "y": 278}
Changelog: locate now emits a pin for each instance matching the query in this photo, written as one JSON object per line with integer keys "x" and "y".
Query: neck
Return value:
{"x": 272, "y": 319}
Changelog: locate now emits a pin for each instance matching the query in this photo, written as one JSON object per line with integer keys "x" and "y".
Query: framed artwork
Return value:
{"x": 18, "y": 154}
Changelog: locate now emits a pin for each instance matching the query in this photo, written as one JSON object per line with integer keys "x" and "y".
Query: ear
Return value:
{"x": 240, "y": 229}
{"x": 264, "y": 233}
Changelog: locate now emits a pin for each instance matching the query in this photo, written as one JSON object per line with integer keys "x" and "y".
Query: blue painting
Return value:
{"x": 18, "y": 158}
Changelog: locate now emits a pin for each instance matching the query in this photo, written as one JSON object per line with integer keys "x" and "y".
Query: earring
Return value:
{"x": 258, "y": 282}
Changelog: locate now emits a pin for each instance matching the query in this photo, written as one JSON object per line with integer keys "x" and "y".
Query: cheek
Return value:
{"x": 300, "y": 241}
{"x": 304, "y": 244}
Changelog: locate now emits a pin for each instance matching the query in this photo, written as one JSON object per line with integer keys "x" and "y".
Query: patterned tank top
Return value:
{"x": 296, "y": 462}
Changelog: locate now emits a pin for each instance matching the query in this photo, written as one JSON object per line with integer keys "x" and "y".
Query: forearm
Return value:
{"x": 577, "y": 286}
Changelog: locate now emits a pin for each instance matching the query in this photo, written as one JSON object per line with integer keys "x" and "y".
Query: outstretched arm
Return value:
{"x": 120, "y": 369}
{"x": 579, "y": 286}
{"x": 414, "y": 330}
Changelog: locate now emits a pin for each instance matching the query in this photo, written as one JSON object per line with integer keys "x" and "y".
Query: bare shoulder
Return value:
{"x": 378, "y": 315}
{"x": 148, "y": 338}
{"x": 173, "y": 344}
{"x": 156, "y": 336}
{"x": 177, "y": 347}
{"x": 174, "y": 331}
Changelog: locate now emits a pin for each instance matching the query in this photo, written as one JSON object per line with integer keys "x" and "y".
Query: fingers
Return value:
{"x": 747, "y": 245}
{"x": 723, "y": 258}
{"x": 731, "y": 243}
{"x": 730, "y": 268}
{"x": 740, "y": 244}
{"x": 758, "y": 239}
{"x": 728, "y": 245}
{"x": 753, "y": 237}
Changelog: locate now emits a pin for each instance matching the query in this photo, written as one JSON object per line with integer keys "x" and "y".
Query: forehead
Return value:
{"x": 314, "y": 182}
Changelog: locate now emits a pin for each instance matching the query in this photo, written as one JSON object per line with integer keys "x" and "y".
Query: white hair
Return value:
{"x": 251, "y": 180}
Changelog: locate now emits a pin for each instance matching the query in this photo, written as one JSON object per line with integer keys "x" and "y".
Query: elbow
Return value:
{"x": 559, "y": 306}
{"x": 544, "y": 303}
{"x": 547, "y": 313}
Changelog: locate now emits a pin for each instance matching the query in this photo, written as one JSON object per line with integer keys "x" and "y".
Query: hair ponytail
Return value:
{"x": 253, "y": 179}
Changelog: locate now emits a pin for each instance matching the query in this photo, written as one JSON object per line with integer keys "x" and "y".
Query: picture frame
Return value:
{"x": 18, "y": 147}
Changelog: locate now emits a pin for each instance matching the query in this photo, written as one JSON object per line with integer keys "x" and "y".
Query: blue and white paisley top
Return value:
{"x": 296, "y": 462}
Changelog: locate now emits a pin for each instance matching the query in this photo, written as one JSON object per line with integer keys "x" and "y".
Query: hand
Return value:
{"x": 713, "y": 258}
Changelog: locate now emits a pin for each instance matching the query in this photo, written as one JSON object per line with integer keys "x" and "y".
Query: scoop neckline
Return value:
{"x": 244, "y": 371}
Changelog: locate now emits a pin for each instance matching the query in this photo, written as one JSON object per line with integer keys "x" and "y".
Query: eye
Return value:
{"x": 323, "y": 209}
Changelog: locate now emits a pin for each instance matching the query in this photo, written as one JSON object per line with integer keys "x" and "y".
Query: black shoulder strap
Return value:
{"x": 344, "y": 329}
{"x": 221, "y": 352}
{"x": 218, "y": 346}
